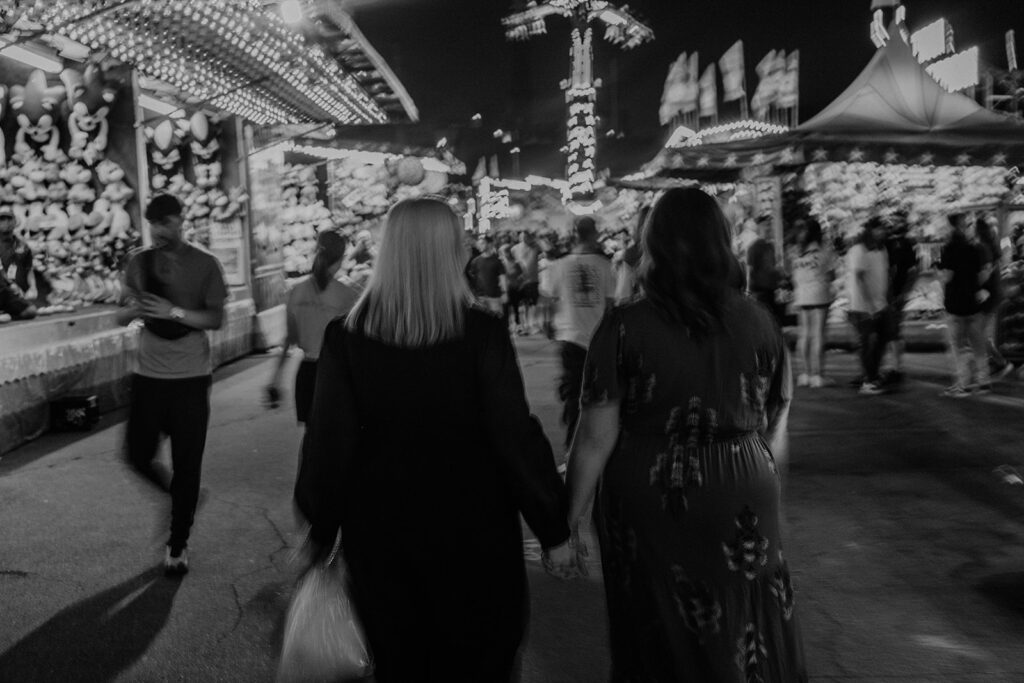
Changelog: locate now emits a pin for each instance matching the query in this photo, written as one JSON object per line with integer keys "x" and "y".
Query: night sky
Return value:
{"x": 454, "y": 60}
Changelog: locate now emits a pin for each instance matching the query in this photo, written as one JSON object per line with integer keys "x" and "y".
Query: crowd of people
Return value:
{"x": 675, "y": 381}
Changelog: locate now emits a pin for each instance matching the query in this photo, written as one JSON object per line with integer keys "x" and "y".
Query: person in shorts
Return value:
{"x": 813, "y": 273}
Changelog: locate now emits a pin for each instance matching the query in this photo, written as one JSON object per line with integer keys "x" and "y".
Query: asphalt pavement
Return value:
{"x": 904, "y": 530}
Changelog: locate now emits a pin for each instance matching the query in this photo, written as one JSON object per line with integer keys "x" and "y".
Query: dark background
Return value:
{"x": 453, "y": 58}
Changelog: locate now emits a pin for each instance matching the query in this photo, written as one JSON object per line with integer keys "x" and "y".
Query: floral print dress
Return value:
{"x": 687, "y": 510}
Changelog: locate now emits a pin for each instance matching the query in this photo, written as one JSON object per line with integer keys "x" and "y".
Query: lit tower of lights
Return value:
{"x": 883, "y": 14}
{"x": 621, "y": 28}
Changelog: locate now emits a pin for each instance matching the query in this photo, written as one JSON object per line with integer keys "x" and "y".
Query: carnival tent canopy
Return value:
{"x": 237, "y": 55}
{"x": 894, "y": 112}
{"x": 895, "y": 94}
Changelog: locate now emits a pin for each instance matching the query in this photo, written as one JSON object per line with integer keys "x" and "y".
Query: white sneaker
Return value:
{"x": 817, "y": 382}
{"x": 176, "y": 564}
{"x": 871, "y": 389}
{"x": 803, "y": 380}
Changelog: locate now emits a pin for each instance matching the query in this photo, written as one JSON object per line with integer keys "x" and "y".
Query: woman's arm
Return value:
{"x": 518, "y": 439}
{"x": 777, "y": 406}
{"x": 592, "y": 445}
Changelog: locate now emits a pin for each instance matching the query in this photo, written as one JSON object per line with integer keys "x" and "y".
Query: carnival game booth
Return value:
{"x": 893, "y": 141}
{"x": 122, "y": 100}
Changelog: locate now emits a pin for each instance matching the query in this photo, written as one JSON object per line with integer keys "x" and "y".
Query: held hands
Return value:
{"x": 567, "y": 561}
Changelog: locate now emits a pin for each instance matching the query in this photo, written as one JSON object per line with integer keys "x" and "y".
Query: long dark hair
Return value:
{"x": 811, "y": 235}
{"x": 330, "y": 248}
{"x": 688, "y": 268}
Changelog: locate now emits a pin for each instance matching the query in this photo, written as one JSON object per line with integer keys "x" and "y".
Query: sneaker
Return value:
{"x": 176, "y": 565}
{"x": 817, "y": 382}
{"x": 955, "y": 392}
{"x": 562, "y": 468}
{"x": 1002, "y": 372}
{"x": 802, "y": 380}
{"x": 871, "y": 389}
{"x": 983, "y": 389}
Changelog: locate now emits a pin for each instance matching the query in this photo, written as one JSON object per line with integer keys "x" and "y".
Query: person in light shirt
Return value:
{"x": 312, "y": 304}
{"x": 867, "y": 268}
{"x": 583, "y": 286}
{"x": 813, "y": 271}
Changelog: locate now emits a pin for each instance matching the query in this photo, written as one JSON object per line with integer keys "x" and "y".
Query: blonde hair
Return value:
{"x": 417, "y": 293}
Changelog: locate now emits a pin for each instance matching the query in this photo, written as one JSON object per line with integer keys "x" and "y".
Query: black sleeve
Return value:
{"x": 518, "y": 439}
{"x": 11, "y": 301}
{"x": 331, "y": 439}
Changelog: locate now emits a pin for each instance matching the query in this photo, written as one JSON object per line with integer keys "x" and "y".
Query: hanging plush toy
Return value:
{"x": 205, "y": 148}
{"x": 89, "y": 99}
{"x": 35, "y": 105}
{"x": 165, "y": 153}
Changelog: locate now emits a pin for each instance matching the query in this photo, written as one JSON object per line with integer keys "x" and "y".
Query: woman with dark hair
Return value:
{"x": 813, "y": 272}
{"x": 685, "y": 399}
{"x": 312, "y": 304}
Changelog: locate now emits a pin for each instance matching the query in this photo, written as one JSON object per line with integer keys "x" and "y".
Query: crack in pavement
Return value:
{"x": 16, "y": 573}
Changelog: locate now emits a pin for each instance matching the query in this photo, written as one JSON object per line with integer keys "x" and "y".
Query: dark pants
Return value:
{"x": 570, "y": 385}
{"x": 512, "y": 305}
{"x": 871, "y": 329}
{"x": 305, "y": 383}
{"x": 180, "y": 409}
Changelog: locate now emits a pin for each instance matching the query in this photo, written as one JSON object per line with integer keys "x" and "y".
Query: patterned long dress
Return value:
{"x": 687, "y": 511}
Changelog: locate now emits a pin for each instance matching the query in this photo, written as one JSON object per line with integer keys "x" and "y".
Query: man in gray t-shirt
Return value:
{"x": 178, "y": 291}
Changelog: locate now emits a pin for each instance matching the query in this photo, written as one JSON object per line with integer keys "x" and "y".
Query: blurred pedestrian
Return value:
{"x": 582, "y": 286}
{"x": 179, "y": 292}
{"x": 685, "y": 405}
{"x": 513, "y": 288}
{"x": 487, "y": 276}
{"x": 813, "y": 273}
{"x": 527, "y": 254}
{"x": 17, "y": 261}
{"x": 903, "y": 270}
{"x": 312, "y": 303}
{"x": 867, "y": 273}
{"x": 13, "y": 301}
{"x": 964, "y": 267}
{"x": 988, "y": 240}
{"x": 763, "y": 276}
{"x": 420, "y": 445}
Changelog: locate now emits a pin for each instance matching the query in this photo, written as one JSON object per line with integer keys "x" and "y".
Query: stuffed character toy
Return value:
{"x": 111, "y": 177}
{"x": 58, "y": 222}
{"x": 35, "y": 106}
{"x": 89, "y": 98}
{"x": 165, "y": 153}
{"x": 205, "y": 147}
{"x": 100, "y": 217}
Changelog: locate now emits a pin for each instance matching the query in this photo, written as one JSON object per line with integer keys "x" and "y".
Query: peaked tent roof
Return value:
{"x": 893, "y": 112}
{"x": 895, "y": 93}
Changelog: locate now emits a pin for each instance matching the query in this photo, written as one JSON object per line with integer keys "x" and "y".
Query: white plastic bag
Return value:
{"x": 323, "y": 638}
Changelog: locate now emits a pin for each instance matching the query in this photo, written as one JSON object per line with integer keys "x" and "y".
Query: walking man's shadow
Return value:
{"x": 95, "y": 639}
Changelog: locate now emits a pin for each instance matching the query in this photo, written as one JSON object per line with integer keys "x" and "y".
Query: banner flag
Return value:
{"x": 675, "y": 90}
{"x": 764, "y": 94}
{"x": 789, "y": 86}
{"x": 708, "y": 92}
{"x": 691, "y": 86}
{"x": 732, "y": 67}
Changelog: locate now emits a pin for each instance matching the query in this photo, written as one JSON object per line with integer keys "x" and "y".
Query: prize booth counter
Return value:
{"x": 125, "y": 100}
